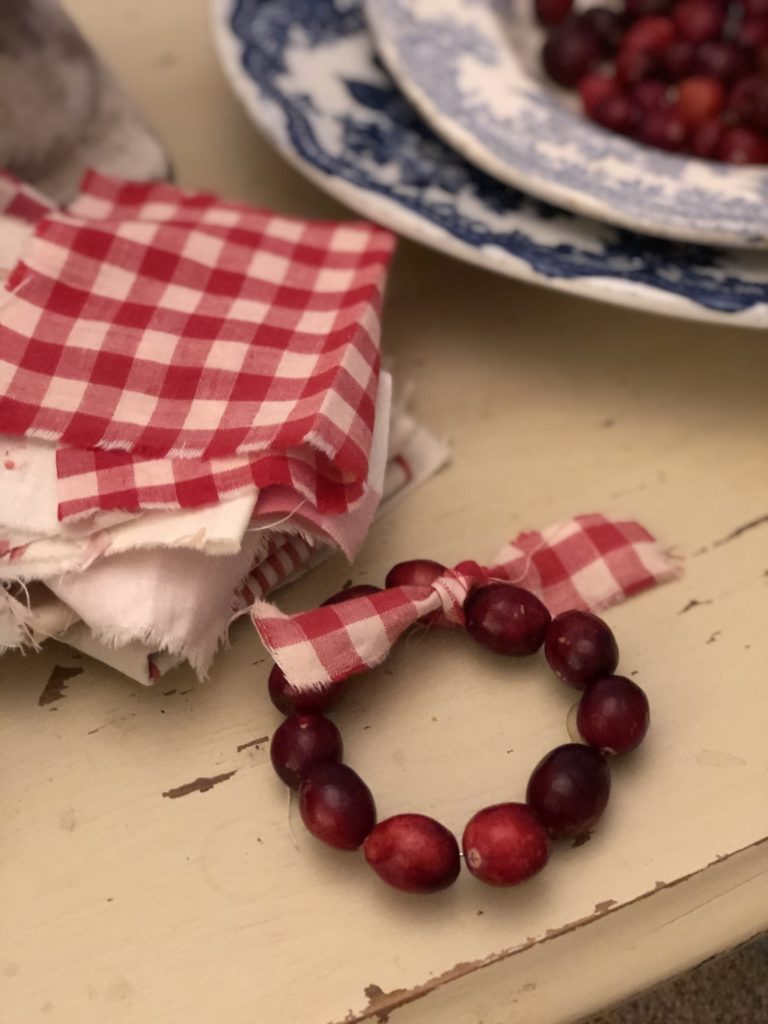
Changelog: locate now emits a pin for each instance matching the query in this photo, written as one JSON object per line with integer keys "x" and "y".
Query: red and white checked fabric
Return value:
{"x": 589, "y": 562}
{"x": 197, "y": 330}
{"x": 95, "y": 481}
{"x": 17, "y": 199}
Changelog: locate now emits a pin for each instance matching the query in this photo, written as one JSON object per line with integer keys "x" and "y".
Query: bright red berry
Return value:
{"x": 505, "y": 844}
{"x": 413, "y": 853}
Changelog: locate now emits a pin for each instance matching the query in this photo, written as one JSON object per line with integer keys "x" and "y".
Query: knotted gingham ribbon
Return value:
{"x": 589, "y": 562}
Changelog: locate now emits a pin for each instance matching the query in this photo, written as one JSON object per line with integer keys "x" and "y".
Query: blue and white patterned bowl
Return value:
{"x": 307, "y": 74}
{"x": 471, "y": 67}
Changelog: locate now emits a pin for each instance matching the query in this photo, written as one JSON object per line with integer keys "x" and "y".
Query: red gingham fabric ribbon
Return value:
{"x": 20, "y": 200}
{"x": 182, "y": 349}
{"x": 589, "y": 562}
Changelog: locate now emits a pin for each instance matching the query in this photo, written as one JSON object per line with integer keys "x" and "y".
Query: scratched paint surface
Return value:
{"x": 121, "y": 903}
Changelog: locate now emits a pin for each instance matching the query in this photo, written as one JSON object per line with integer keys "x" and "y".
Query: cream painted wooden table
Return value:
{"x": 125, "y": 901}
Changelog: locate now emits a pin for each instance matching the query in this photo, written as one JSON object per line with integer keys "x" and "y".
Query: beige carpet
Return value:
{"x": 730, "y": 990}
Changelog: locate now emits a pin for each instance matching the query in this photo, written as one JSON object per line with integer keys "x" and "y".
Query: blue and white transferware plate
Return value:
{"x": 471, "y": 67}
{"x": 306, "y": 73}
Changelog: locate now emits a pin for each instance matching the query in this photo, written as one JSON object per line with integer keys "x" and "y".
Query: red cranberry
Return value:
{"x": 570, "y": 52}
{"x": 505, "y": 844}
{"x": 722, "y": 60}
{"x": 752, "y": 33}
{"x": 699, "y": 20}
{"x": 414, "y": 853}
{"x": 301, "y": 741}
{"x": 748, "y": 99}
{"x": 506, "y": 618}
{"x": 289, "y": 700}
{"x": 678, "y": 59}
{"x": 705, "y": 138}
{"x": 336, "y": 805}
{"x": 419, "y": 572}
{"x": 699, "y": 98}
{"x": 651, "y": 94}
{"x": 755, "y": 8}
{"x": 605, "y": 25}
{"x": 618, "y": 113}
{"x": 742, "y": 146}
{"x": 596, "y": 88}
{"x": 663, "y": 129}
{"x": 579, "y": 647}
{"x": 644, "y": 8}
{"x": 552, "y": 12}
{"x": 569, "y": 789}
{"x": 635, "y": 65}
{"x": 650, "y": 35}
{"x": 361, "y": 590}
{"x": 613, "y": 715}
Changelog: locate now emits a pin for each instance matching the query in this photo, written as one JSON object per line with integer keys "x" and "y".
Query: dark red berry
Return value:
{"x": 644, "y": 8}
{"x": 413, "y": 853}
{"x": 579, "y": 647}
{"x": 663, "y": 129}
{"x": 613, "y": 715}
{"x": 289, "y": 700}
{"x": 595, "y": 88}
{"x": 755, "y": 8}
{"x": 742, "y": 146}
{"x": 652, "y": 94}
{"x": 570, "y": 52}
{"x": 418, "y": 572}
{"x": 748, "y": 100}
{"x": 635, "y": 65}
{"x": 752, "y": 33}
{"x": 606, "y": 25}
{"x": 650, "y": 35}
{"x": 336, "y": 805}
{"x": 505, "y": 844}
{"x": 705, "y": 138}
{"x": 699, "y": 98}
{"x": 302, "y": 741}
{"x": 723, "y": 60}
{"x": 360, "y": 590}
{"x": 699, "y": 20}
{"x": 616, "y": 112}
{"x": 552, "y": 12}
{"x": 506, "y": 618}
{"x": 569, "y": 789}
{"x": 678, "y": 60}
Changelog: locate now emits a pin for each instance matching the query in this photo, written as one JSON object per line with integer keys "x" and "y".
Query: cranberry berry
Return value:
{"x": 418, "y": 572}
{"x": 302, "y": 741}
{"x": 413, "y": 853}
{"x": 570, "y": 52}
{"x": 579, "y": 647}
{"x": 505, "y": 844}
{"x": 568, "y": 789}
{"x": 506, "y": 618}
{"x": 613, "y": 715}
{"x": 336, "y": 806}
{"x": 289, "y": 700}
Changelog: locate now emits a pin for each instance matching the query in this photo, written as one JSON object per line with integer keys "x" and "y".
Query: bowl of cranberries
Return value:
{"x": 647, "y": 114}
{"x": 685, "y": 76}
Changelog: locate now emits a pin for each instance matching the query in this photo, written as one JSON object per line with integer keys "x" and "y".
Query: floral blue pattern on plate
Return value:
{"x": 307, "y": 74}
{"x": 472, "y": 69}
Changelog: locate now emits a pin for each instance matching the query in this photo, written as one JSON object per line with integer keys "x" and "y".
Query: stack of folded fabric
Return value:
{"x": 192, "y": 411}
